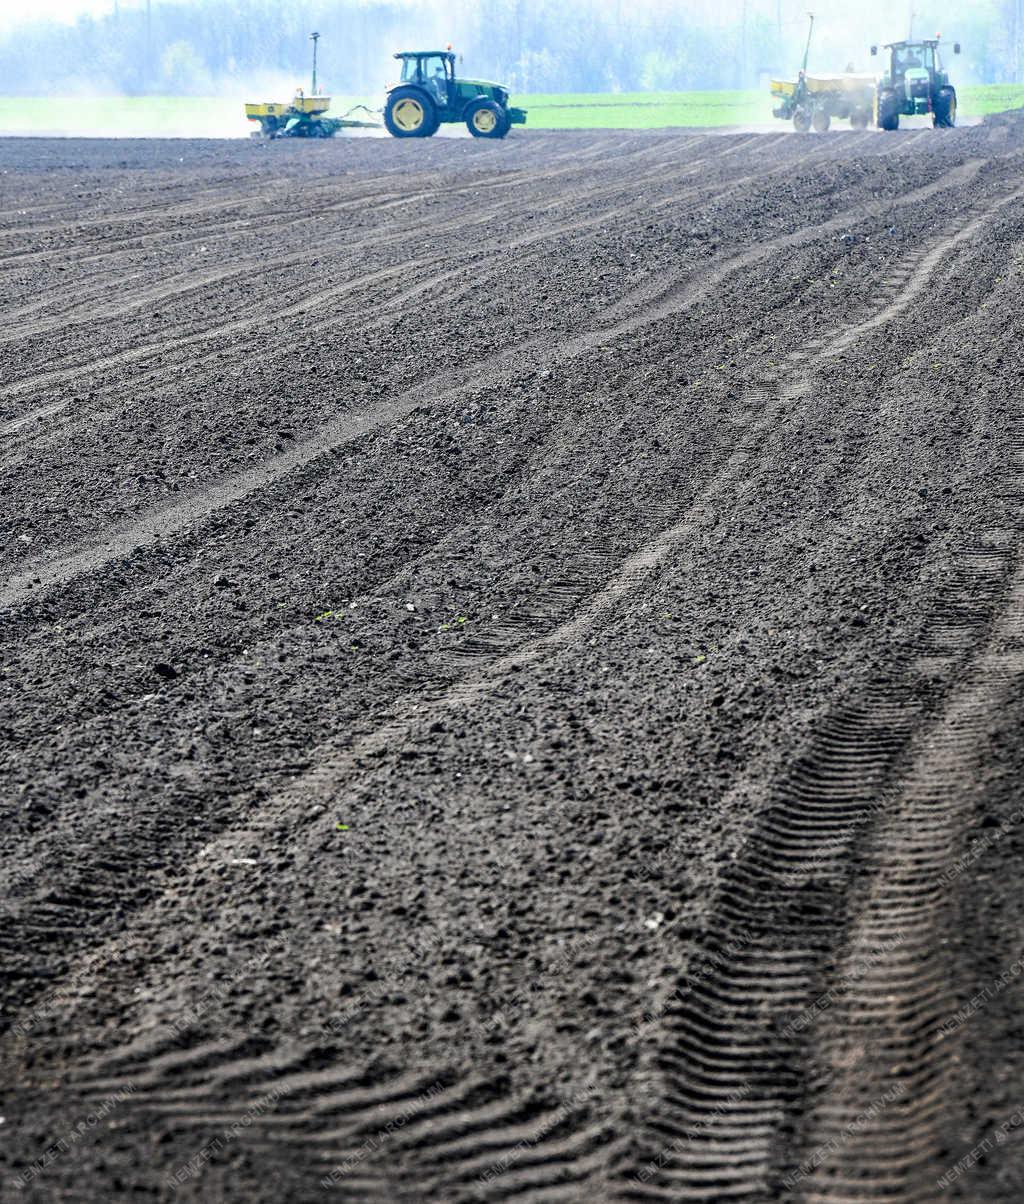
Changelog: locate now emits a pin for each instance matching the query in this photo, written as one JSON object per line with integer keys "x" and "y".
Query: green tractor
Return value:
{"x": 429, "y": 93}
{"x": 915, "y": 84}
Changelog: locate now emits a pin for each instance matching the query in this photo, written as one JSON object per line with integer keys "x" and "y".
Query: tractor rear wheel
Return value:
{"x": 410, "y": 113}
{"x": 888, "y": 114}
{"x": 822, "y": 120}
{"x": 487, "y": 119}
{"x": 945, "y": 109}
{"x": 859, "y": 119}
{"x": 801, "y": 120}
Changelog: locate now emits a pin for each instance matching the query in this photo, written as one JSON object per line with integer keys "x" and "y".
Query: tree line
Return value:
{"x": 181, "y": 48}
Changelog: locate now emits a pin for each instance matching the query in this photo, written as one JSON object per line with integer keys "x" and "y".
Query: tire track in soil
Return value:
{"x": 163, "y": 291}
{"x": 71, "y": 908}
{"x": 190, "y": 202}
{"x": 53, "y": 408}
{"x": 690, "y": 200}
{"x": 293, "y": 218}
{"x": 74, "y": 371}
{"x": 254, "y": 264}
{"x": 373, "y": 323}
{"x": 732, "y": 1045}
{"x": 541, "y": 1149}
{"x": 315, "y": 207}
{"x": 539, "y": 237}
{"x": 132, "y": 355}
{"x": 458, "y": 1127}
{"x": 663, "y": 302}
{"x": 164, "y": 523}
{"x": 302, "y": 1114}
{"x": 851, "y": 755}
{"x": 156, "y": 350}
{"x": 876, "y": 1132}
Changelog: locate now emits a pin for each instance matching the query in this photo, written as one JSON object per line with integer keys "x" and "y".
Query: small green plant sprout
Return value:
{"x": 456, "y": 622}
{"x": 327, "y": 614}
{"x": 667, "y": 614}
{"x": 341, "y": 827}
{"x": 699, "y": 660}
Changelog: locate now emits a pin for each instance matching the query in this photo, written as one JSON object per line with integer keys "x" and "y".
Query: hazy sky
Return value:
{"x": 65, "y": 10}
{"x": 874, "y": 18}
{"x": 15, "y": 12}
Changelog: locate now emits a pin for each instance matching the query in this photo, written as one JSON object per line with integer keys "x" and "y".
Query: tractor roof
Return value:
{"x": 901, "y": 45}
{"x": 417, "y": 54}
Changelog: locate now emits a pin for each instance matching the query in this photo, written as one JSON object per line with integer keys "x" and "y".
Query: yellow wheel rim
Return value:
{"x": 485, "y": 121}
{"x": 408, "y": 114}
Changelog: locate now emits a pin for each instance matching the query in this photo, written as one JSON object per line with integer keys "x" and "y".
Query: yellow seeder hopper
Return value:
{"x": 813, "y": 100}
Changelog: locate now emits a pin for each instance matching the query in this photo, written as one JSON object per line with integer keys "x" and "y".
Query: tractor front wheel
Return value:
{"x": 888, "y": 114}
{"x": 410, "y": 113}
{"x": 822, "y": 120}
{"x": 859, "y": 119}
{"x": 801, "y": 120}
{"x": 945, "y": 109}
{"x": 487, "y": 119}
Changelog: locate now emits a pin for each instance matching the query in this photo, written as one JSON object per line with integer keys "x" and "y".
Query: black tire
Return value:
{"x": 859, "y": 119}
{"x": 888, "y": 117}
{"x": 821, "y": 121}
{"x": 486, "y": 119}
{"x": 410, "y": 113}
{"x": 945, "y": 109}
{"x": 802, "y": 120}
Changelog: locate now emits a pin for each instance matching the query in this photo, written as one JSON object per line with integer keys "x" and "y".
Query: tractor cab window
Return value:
{"x": 906, "y": 57}
{"x": 435, "y": 77}
{"x": 928, "y": 58}
{"x": 410, "y": 71}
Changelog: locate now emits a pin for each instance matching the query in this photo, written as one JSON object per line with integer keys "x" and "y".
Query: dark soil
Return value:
{"x": 512, "y": 664}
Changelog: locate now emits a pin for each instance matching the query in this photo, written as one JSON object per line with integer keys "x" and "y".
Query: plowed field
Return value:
{"x": 513, "y": 668}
